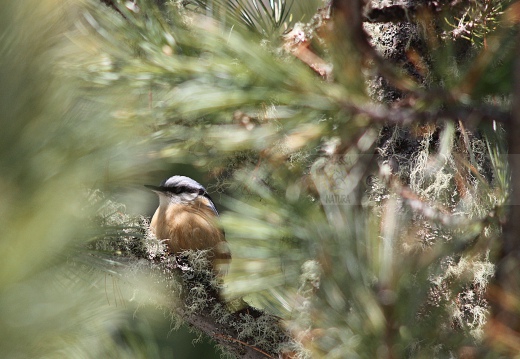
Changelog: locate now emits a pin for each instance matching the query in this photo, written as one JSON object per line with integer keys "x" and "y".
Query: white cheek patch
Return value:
{"x": 188, "y": 197}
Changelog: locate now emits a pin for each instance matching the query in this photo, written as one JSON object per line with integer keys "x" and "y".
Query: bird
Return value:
{"x": 187, "y": 219}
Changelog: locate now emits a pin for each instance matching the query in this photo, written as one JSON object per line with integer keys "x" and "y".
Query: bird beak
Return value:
{"x": 157, "y": 189}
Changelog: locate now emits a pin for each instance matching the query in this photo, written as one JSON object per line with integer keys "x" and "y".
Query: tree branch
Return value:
{"x": 409, "y": 115}
{"x": 246, "y": 332}
{"x": 192, "y": 285}
{"x": 231, "y": 329}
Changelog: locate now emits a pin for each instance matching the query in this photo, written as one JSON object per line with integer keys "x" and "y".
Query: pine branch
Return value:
{"x": 298, "y": 42}
{"x": 193, "y": 288}
{"x": 407, "y": 115}
{"x": 246, "y": 332}
{"x": 201, "y": 306}
{"x": 238, "y": 328}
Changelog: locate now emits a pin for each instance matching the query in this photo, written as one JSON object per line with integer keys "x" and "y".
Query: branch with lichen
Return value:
{"x": 196, "y": 299}
{"x": 235, "y": 106}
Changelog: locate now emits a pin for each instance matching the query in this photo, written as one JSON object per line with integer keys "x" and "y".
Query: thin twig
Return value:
{"x": 225, "y": 337}
{"x": 408, "y": 115}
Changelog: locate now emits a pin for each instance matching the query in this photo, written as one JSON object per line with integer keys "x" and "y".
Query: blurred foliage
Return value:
{"x": 369, "y": 239}
{"x": 57, "y": 142}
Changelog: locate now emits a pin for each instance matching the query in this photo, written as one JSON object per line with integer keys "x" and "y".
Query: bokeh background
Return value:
{"x": 370, "y": 238}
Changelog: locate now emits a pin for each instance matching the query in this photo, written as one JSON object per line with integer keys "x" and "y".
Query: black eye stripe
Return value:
{"x": 185, "y": 189}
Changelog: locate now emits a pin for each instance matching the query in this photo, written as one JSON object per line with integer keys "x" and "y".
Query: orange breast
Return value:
{"x": 192, "y": 226}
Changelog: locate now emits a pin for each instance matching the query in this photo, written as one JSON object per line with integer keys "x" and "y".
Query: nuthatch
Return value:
{"x": 188, "y": 220}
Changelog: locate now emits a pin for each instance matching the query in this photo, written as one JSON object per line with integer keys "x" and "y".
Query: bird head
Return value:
{"x": 180, "y": 189}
